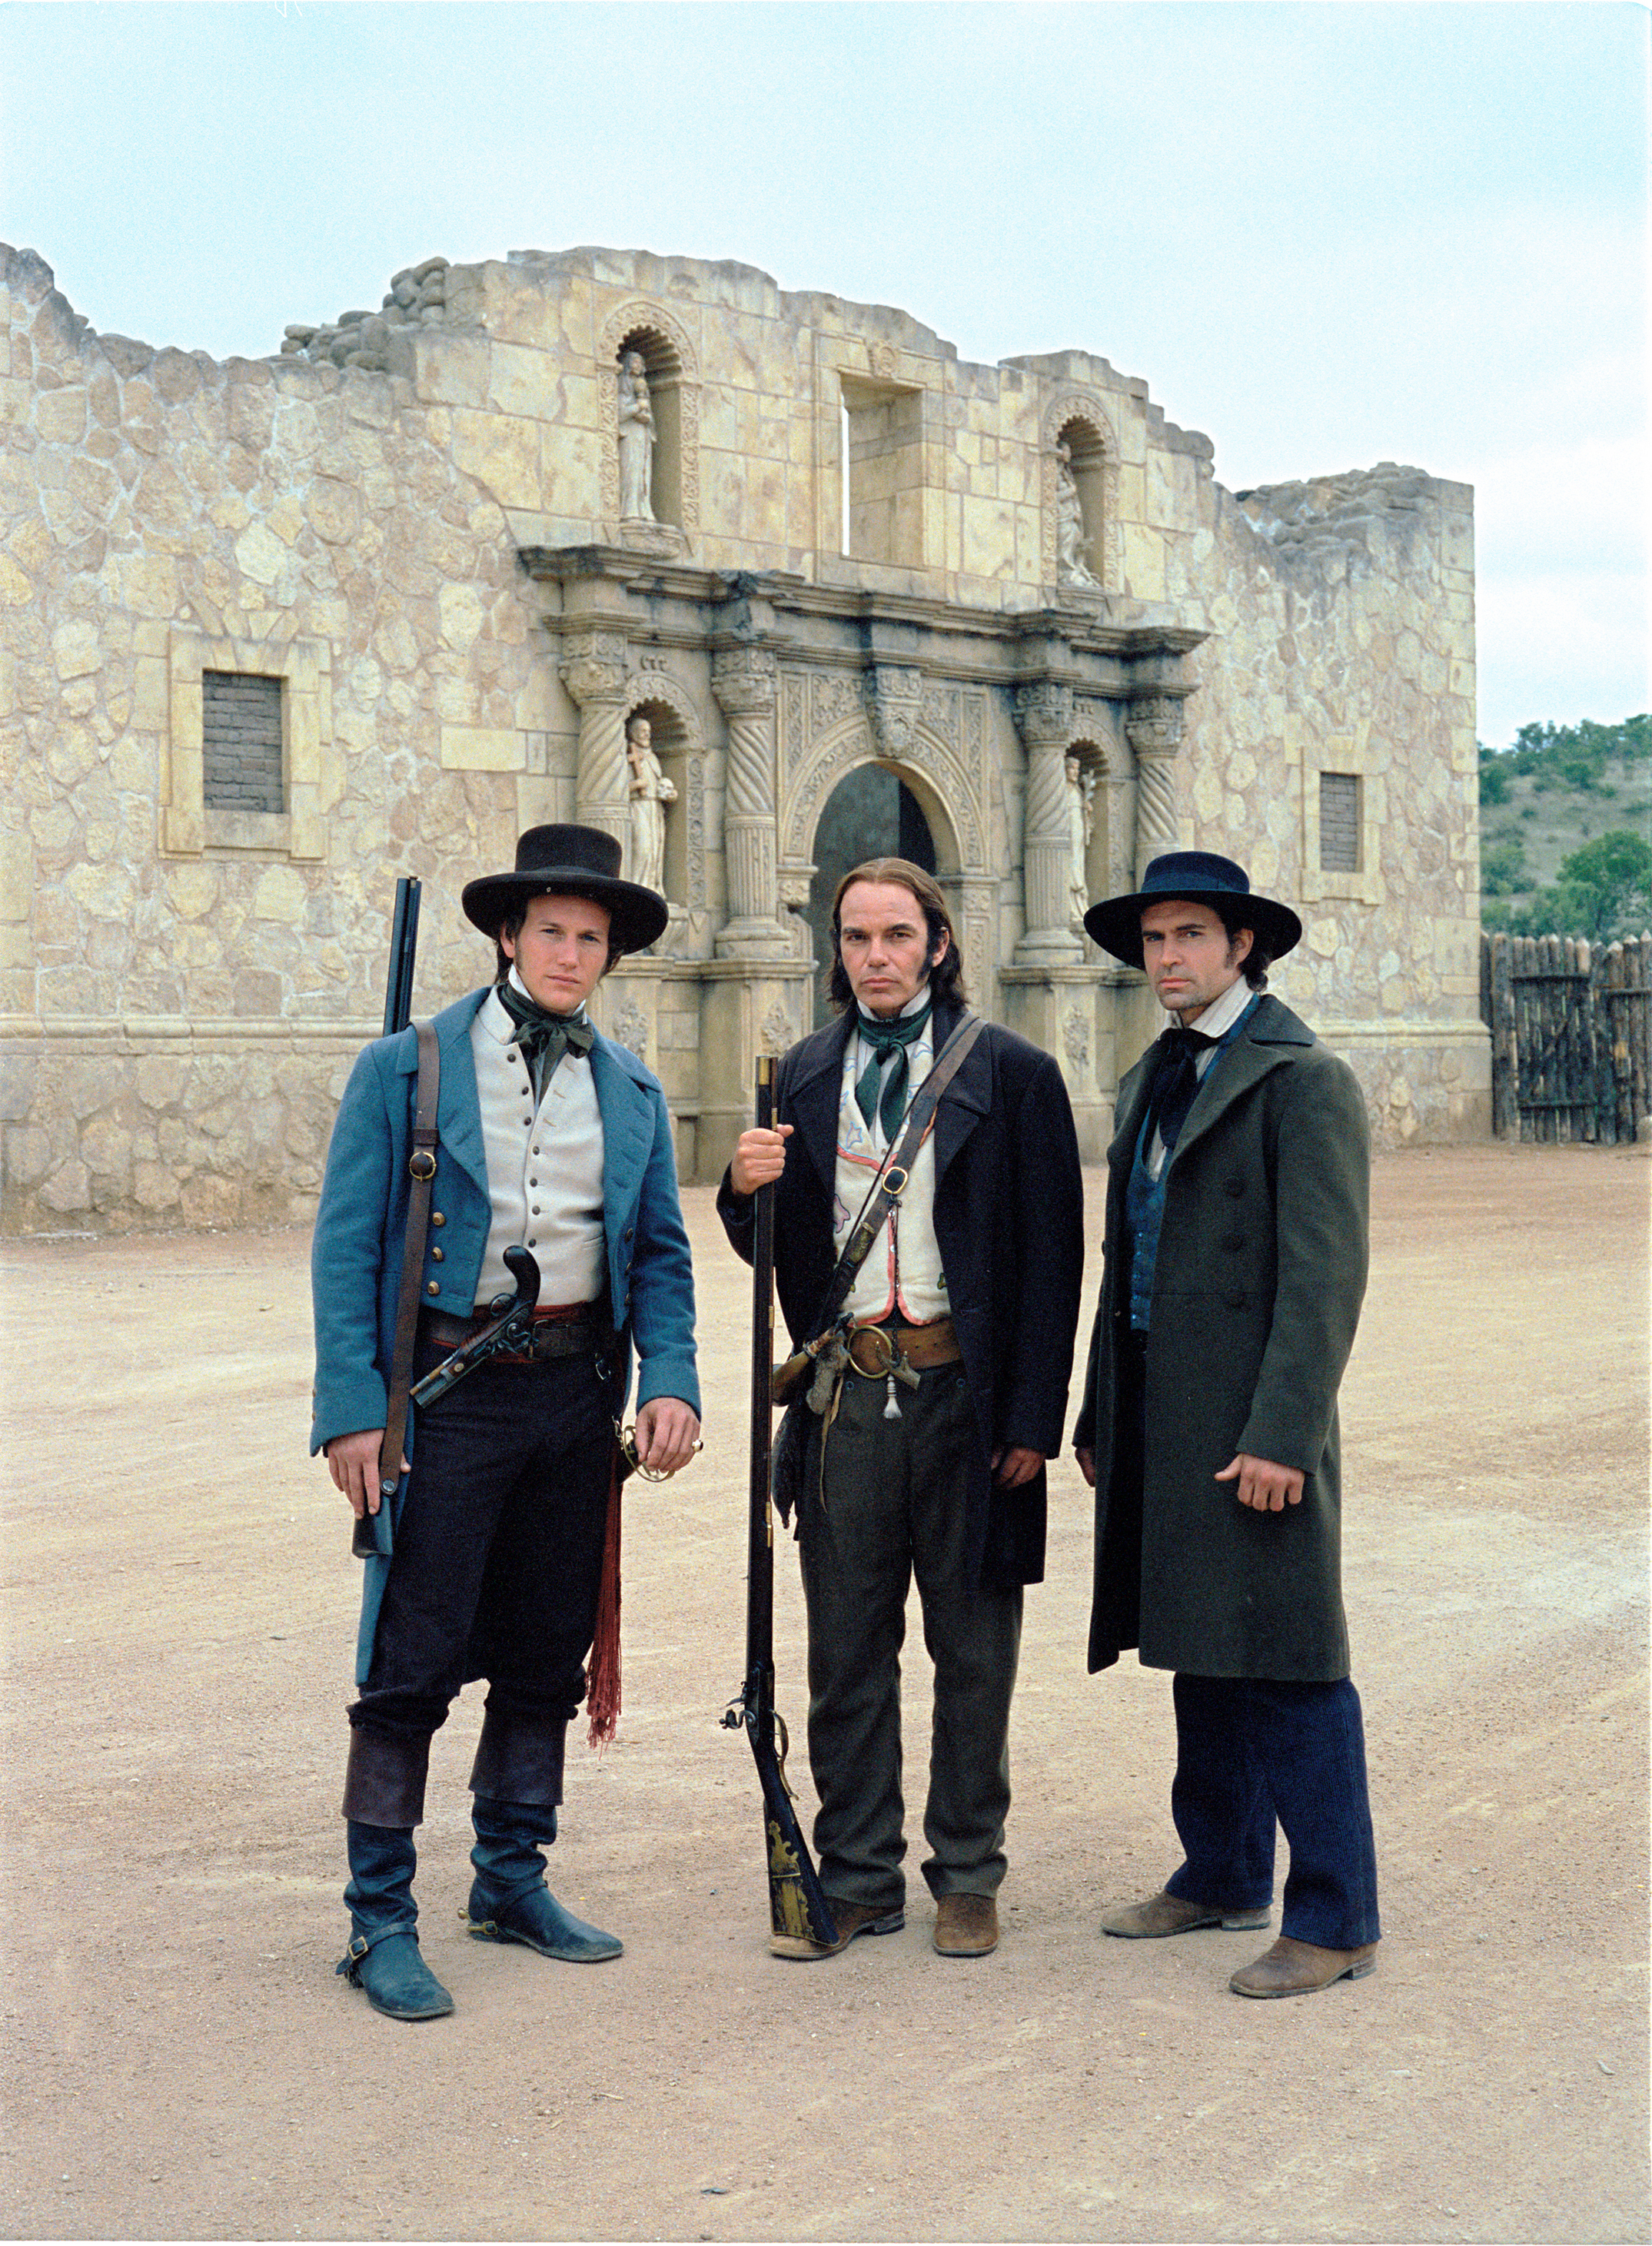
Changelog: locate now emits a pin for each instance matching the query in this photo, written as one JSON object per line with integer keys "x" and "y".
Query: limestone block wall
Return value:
{"x": 758, "y": 384}
{"x": 183, "y": 984}
{"x": 1342, "y": 621}
{"x": 182, "y": 990}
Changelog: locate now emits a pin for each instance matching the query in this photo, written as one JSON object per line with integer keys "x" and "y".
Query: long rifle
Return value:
{"x": 403, "y": 946}
{"x": 369, "y": 1537}
{"x": 797, "y": 1906}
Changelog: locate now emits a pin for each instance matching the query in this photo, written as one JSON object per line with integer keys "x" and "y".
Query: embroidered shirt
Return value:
{"x": 901, "y": 1275}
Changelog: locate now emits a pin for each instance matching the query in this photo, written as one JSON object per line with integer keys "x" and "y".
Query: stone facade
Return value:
{"x": 411, "y": 521}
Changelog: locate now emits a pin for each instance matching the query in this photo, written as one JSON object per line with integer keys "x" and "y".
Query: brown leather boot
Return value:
{"x": 1296, "y": 1969}
{"x": 965, "y": 1926}
{"x": 1167, "y": 1913}
{"x": 850, "y": 1919}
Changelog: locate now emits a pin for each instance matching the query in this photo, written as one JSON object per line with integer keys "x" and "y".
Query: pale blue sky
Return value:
{"x": 1326, "y": 234}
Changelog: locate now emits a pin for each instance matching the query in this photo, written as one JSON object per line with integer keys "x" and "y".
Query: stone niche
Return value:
{"x": 1016, "y": 594}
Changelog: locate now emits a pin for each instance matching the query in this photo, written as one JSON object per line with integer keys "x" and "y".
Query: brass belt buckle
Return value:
{"x": 883, "y": 1352}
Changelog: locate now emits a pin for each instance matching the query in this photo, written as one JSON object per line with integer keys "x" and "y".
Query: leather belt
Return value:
{"x": 874, "y": 1349}
{"x": 559, "y": 1330}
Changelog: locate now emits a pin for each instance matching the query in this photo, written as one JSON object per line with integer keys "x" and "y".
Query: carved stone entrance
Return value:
{"x": 870, "y": 813}
{"x": 1031, "y": 756}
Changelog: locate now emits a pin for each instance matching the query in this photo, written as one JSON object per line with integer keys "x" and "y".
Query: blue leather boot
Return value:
{"x": 509, "y": 1900}
{"x": 384, "y": 1960}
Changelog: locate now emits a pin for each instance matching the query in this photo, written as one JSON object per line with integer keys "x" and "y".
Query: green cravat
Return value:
{"x": 886, "y": 1039}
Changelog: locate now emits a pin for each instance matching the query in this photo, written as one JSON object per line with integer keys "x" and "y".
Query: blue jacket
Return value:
{"x": 356, "y": 1257}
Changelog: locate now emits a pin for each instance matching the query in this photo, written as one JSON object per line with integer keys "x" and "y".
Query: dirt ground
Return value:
{"x": 180, "y": 1607}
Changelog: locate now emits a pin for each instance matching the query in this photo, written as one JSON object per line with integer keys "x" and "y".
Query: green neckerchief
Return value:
{"x": 885, "y": 1039}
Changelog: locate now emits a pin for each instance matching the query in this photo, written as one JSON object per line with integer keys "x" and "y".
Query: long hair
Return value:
{"x": 946, "y": 979}
{"x": 1257, "y": 961}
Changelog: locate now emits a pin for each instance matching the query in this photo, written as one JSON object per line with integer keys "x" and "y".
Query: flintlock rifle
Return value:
{"x": 797, "y": 1905}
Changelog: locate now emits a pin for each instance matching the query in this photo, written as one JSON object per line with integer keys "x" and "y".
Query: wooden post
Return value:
{"x": 1581, "y": 1042}
{"x": 1505, "y": 1113}
{"x": 1605, "y": 1109}
{"x": 1639, "y": 958}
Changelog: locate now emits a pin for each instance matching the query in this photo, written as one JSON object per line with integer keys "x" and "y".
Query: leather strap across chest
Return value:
{"x": 421, "y": 1170}
{"x": 892, "y": 1178}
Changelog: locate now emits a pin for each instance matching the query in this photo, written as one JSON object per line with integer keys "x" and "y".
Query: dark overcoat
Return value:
{"x": 1256, "y": 1294}
{"x": 1009, "y": 1219}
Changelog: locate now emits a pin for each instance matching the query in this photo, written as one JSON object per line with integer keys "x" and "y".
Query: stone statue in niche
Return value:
{"x": 1081, "y": 825}
{"x": 636, "y": 439}
{"x": 649, "y": 792}
{"x": 1070, "y": 565}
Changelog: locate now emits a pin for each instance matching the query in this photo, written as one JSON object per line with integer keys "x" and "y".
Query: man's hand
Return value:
{"x": 1011, "y": 1468}
{"x": 667, "y": 1429}
{"x": 759, "y": 1157}
{"x": 1086, "y": 1463}
{"x": 1270, "y": 1488}
{"x": 352, "y": 1460}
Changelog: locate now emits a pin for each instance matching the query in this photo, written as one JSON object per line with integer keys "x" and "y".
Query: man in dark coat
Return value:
{"x": 1236, "y": 1248}
{"x": 929, "y": 1458}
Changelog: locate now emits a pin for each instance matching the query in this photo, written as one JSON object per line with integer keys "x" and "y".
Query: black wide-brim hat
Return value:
{"x": 569, "y": 861}
{"x": 1197, "y": 877}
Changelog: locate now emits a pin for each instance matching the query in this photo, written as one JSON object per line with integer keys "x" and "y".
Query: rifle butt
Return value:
{"x": 797, "y": 1902}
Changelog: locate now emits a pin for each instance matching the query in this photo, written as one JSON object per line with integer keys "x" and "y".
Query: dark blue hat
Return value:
{"x": 1201, "y": 878}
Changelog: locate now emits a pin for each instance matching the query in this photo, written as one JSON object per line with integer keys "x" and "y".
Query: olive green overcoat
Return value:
{"x": 1257, "y": 1289}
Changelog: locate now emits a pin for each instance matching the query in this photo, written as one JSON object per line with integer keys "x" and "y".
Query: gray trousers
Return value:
{"x": 893, "y": 1509}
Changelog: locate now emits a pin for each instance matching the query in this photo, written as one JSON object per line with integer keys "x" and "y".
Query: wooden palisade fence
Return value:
{"x": 1571, "y": 1025}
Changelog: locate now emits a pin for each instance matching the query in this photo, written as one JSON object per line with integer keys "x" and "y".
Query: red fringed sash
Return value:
{"x": 602, "y": 1671}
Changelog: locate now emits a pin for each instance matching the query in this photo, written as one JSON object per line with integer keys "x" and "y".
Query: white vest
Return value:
{"x": 901, "y": 1275}
{"x": 544, "y": 1166}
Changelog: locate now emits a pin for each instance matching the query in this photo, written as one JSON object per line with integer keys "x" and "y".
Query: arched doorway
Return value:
{"x": 870, "y": 813}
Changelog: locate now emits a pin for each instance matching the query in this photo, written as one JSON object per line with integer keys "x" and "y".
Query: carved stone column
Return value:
{"x": 1044, "y": 712}
{"x": 593, "y": 669}
{"x": 743, "y": 680}
{"x": 1153, "y": 727}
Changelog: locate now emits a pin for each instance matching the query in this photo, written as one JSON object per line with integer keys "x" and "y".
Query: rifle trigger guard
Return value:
{"x": 421, "y": 1164}
{"x": 782, "y": 1748}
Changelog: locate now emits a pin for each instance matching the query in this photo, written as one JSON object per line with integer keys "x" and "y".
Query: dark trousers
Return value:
{"x": 895, "y": 1507}
{"x": 496, "y": 1568}
{"x": 1250, "y": 1753}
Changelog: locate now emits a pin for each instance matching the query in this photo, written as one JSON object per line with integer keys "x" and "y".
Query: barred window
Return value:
{"x": 240, "y": 742}
{"x": 1339, "y": 822}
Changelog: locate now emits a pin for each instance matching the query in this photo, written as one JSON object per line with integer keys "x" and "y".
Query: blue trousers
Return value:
{"x": 1251, "y": 1754}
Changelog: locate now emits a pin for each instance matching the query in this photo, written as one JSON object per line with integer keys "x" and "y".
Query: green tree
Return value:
{"x": 1503, "y": 868}
{"x": 1604, "y": 891}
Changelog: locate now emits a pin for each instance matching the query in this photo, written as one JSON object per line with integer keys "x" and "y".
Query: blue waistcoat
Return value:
{"x": 1145, "y": 1196}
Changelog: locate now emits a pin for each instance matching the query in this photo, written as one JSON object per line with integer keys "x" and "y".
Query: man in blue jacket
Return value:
{"x": 490, "y": 1556}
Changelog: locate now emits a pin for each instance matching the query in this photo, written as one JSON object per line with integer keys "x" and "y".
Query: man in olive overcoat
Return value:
{"x": 1236, "y": 1246}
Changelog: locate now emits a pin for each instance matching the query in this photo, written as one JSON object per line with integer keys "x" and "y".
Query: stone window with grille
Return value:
{"x": 1339, "y": 822}
{"x": 242, "y": 764}
{"x": 248, "y": 723}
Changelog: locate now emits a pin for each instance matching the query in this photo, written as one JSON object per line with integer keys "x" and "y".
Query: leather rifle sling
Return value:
{"x": 898, "y": 1163}
{"x": 421, "y": 1169}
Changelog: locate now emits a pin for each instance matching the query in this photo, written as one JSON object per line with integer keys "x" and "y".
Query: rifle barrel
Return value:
{"x": 759, "y": 1595}
{"x": 403, "y": 946}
